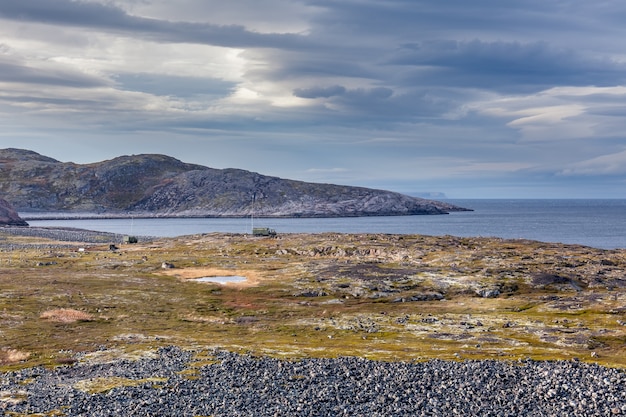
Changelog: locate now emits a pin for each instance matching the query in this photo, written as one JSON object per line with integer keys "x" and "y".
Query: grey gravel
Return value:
{"x": 243, "y": 385}
{"x": 64, "y": 234}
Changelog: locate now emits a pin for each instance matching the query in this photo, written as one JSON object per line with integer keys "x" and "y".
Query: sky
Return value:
{"x": 473, "y": 99}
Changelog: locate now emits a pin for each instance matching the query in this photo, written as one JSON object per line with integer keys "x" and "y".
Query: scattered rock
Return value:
{"x": 488, "y": 292}
{"x": 427, "y": 296}
{"x": 312, "y": 293}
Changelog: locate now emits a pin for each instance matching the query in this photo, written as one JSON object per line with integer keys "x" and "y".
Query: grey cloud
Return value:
{"x": 63, "y": 11}
{"x": 525, "y": 19}
{"x": 426, "y": 71}
{"x": 505, "y": 65}
{"x": 358, "y": 98}
{"x": 326, "y": 62}
{"x": 375, "y": 106}
{"x": 618, "y": 111}
{"x": 16, "y": 72}
{"x": 377, "y": 93}
{"x": 317, "y": 92}
{"x": 110, "y": 18}
{"x": 169, "y": 85}
{"x": 56, "y": 102}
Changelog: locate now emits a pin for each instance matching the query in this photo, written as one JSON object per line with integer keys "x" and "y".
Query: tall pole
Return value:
{"x": 252, "y": 214}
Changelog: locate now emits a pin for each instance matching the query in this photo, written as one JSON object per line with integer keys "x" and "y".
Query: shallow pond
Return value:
{"x": 221, "y": 279}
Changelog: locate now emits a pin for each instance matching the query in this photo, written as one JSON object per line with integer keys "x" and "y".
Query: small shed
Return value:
{"x": 130, "y": 239}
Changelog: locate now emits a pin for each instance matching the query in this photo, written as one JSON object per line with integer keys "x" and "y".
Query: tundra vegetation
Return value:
{"x": 383, "y": 297}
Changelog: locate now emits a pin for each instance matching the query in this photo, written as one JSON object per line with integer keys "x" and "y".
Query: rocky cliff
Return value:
{"x": 159, "y": 185}
{"x": 8, "y": 215}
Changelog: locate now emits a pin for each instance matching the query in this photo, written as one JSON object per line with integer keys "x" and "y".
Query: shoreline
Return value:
{"x": 90, "y": 216}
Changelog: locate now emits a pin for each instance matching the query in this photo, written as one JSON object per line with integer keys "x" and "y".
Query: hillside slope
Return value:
{"x": 159, "y": 185}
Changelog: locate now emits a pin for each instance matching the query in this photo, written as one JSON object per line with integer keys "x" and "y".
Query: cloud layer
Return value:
{"x": 473, "y": 99}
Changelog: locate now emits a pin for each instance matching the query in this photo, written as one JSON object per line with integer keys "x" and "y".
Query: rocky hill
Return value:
{"x": 159, "y": 185}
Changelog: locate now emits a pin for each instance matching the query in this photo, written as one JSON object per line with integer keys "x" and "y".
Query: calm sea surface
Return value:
{"x": 597, "y": 223}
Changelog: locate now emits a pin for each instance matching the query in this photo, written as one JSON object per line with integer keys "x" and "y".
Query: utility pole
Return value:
{"x": 252, "y": 214}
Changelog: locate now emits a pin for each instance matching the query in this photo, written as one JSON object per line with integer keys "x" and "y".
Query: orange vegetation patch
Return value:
{"x": 65, "y": 315}
{"x": 252, "y": 277}
{"x": 9, "y": 356}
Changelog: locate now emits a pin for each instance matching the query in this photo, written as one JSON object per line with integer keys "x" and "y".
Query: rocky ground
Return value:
{"x": 175, "y": 382}
{"x": 327, "y": 324}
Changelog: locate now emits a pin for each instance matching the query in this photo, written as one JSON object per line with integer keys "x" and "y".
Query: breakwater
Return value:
{"x": 65, "y": 234}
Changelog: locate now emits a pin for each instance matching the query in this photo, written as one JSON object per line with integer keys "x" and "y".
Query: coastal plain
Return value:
{"x": 375, "y": 296}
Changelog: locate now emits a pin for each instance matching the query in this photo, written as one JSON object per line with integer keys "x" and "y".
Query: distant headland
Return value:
{"x": 151, "y": 185}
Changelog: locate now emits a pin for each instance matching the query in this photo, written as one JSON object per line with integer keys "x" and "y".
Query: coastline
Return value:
{"x": 595, "y": 223}
{"x": 30, "y": 216}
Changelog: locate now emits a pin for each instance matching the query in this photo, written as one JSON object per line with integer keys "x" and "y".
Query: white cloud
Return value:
{"x": 611, "y": 164}
{"x": 560, "y": 113}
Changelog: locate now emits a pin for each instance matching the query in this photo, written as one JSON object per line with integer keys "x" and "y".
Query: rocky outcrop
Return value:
{"x": 158, "y": 185}
{"x": 8, "y": 215}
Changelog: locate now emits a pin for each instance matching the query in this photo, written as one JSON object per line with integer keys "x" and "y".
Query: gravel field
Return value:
{"x": 174, "y": 384}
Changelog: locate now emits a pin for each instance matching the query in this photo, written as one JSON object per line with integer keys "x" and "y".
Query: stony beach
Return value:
{"x": 172, "y": 382}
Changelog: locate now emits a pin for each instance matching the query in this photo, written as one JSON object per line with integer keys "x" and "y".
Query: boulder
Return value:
{"x": 8, "y": 215}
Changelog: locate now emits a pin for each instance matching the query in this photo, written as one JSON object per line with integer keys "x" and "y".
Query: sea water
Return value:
{"x": 597, "y": 223}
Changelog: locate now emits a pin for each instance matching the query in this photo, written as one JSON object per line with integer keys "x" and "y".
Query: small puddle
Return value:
{"x": 220, "y": 279}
